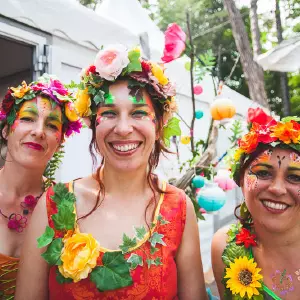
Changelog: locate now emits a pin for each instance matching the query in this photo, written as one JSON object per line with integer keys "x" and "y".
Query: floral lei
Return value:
{"x": 264, "y": 129}
{"x": 66, "y": 243}
{"x": 242, "y": 279}
{"x": 48, "y": 86}
{"x": 116, "y": 62}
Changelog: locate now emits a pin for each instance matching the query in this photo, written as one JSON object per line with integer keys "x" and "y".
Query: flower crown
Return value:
{"x": 263, "y": 129}
{"x": 48, "y": 86}
{"x": 117, "y": 62}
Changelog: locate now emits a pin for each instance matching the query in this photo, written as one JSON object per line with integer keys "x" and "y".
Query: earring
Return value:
{"x": 244, "y": 213}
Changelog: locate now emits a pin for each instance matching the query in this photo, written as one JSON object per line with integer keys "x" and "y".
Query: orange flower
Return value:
{"x": 248, "y": 142}
{"x": 20, "y": 91}
{"x": 287, "y": 132}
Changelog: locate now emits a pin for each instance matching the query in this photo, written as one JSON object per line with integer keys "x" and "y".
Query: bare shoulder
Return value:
{"x": 219, "y": 240}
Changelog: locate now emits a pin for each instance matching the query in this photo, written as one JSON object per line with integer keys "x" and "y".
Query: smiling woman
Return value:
{"x": 120, "y": 233}
{"x": 266, "y": 165}
{"x": 33, "y": 125}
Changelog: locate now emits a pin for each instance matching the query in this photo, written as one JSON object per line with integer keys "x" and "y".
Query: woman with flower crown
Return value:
{"x": 259, "y": 257}
{"x": 121, "y": 233}
{"x": 34, "y": 120}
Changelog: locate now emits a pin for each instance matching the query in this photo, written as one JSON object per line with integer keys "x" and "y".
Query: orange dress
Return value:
{"x": 156, "y": 282}
{"x": 8, "y": 275}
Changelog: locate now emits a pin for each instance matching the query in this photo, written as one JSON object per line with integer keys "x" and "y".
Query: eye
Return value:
{"x": 261, "y": 174}
{"x": 140, "y": 113}
{"x": 293, "y": 178}
{"x": 108, "y": 114}
{"x": 27, "y": 119}
{"x": 52, "y": 126}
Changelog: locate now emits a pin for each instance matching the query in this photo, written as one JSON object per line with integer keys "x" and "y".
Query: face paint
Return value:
{"x": 280, "y": 159}
{"x": 109, "y": 99}
{"x": 251, "y": 181}
{"x": 282, "y": 283}
{"x": 137, "y": 96}
{"x": 103, "y": 114}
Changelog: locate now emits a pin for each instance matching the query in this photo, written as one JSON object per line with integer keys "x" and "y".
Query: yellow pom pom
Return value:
{"x": 185, "y": 140}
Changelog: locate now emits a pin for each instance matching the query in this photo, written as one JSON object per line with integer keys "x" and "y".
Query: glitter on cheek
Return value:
{"x": 100, "y": 119}
{"x": 251, "y": 182}
{"x": 15, "y": 125}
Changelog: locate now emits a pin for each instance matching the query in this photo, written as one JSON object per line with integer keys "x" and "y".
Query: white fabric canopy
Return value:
{"x": 283, "y": 58}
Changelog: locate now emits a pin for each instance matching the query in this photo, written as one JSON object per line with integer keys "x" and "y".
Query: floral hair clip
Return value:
{"x": 264, "y": 129}
{"x": 48, "y": 86}
{"x": 117, "y": 62}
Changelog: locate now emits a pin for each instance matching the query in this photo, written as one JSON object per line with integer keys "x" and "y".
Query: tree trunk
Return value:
{"x": 283, "y": 76}
{"x": 255, "y": 32}
{"x": 253, "y": 72}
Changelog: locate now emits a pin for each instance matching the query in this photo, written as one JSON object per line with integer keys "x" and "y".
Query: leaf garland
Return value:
{"x": 171, "y": 129}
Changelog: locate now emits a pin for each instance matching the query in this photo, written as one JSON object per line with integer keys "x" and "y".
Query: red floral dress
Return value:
{"x": 156, "y": 282}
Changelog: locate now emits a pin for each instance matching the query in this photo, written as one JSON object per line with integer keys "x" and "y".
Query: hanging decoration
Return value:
{"x": 198, "y": 89}
{"x": 224, "y": 181}
{"x": 199, "y": 114}
{"x": 185, "y": 139}
{"x": 222, "y": 108}
{"x": 198, "y": 181}
{"x": 211, "y": 197}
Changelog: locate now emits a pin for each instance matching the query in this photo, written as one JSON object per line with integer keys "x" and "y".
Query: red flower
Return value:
{"x": 257, "y": 115}
{"x": 91, "y": 69}
{"x": 174, "y": 42}
{"x": 146, "y": 66}
{"x": 7, "y": 102}
{"x": 263, "y": 132}
{"x": 245, "y": 237}
{"x": 249, "y": 142}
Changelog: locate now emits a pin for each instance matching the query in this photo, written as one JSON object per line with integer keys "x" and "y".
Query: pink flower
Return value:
{"x": 111, "y": 61}
{"x": 174, "y": 42}
{"x": 2, "y": 115}
{"x": 30, "y": 201}
{"x": 198, "y": 90}
{"x": 224, "y": 181}
{"x": 73, "y": 127}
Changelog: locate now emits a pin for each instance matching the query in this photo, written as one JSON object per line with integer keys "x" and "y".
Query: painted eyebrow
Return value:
{"x": 133, "y": 104}
{"x": 32, "y": 110}
{"x": 293, "y": 169}
{"x": 262, "y": 165}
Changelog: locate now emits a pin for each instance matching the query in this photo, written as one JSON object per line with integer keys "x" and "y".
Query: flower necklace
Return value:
{"x": 17, "y": 221}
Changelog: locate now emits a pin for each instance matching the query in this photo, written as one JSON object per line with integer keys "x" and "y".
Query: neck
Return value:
{"x": 282, "y": 242}
{"x": 124, "y": 184}
{"x": 18, "y": 181}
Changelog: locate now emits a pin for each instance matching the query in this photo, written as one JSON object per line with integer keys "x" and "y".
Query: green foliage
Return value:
{"x": 155, "y": 262}
{"x": 53, "y": 165}
{"x": 140, "y": 232}
{"x": 233, "y": 251}
{"x": 46, "y": 238}
{"x": 113, "y": 274}
{"x": 236, "y": 130}
{"x": 134, "y": 62}
{"x": 61, "y": 279}
{"x": 157, "y": 238}
{"x": 135, "y": 260}
{"x": 53, "y": 252}
{"x": 127, "y": 243}
{"x": 171, "y": 129}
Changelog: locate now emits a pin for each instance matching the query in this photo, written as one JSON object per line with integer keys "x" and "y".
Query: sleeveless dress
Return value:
{"x": 8, "y": 275}
{"x": 154, "y": 282}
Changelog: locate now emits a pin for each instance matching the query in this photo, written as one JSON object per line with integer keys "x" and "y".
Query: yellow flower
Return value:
{"x": 20, "y": 91}
{"x": 79, "y": 256}
{"x": 243, "y": 277}
{"x": 237, "y": 154}
{"x": 70, "y": 112}
{"x": 83, "y": 103}
{"x": 158, "y": 72}
{"x": 287, "y": 132}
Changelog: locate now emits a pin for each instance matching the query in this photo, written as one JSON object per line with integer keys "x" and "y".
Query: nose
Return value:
{"x": 277, "y": 186}
{"x": 123, "y": 126}
{"x": 38, "y": 130}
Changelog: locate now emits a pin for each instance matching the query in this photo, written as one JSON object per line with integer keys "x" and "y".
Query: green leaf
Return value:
{"x": 233, "y": 251}
{"x": 233, "y": 230}
{"x": 171, "y": 129}
{"x": 140, "y": 232}
{"x": 187, "y": 66}
{"x": 153, "y": 250}
{"x": 11, "y": 117}
{"x": 162, "y": 220}
{"x": 61, "y": 193}
{"x": 65, "y": 218}
{"x": 291, "y": 118}
{"x": 114, "y": 273}
{"x": 53, "y": 252}
{"x": 99, "y": 97}
{"x": 156, "y": 238}
{"x": 258, "y": 297}
{"x": 127, "y": 243}
{"x": 61, "y": 279}
{"x": 46, "y": 238}
{"x": 134, "y": 62}
{"x": 135, "y": 260}
{"x": 155, "y": 262}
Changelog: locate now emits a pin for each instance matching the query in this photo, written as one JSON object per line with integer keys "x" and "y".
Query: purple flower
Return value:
{"x": 2, "y": 115}
{"x": 73, "y": 127}
{"x": 48, "y": 89}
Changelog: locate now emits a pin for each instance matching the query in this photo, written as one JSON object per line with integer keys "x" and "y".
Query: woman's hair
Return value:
{"x": 158, "y": 149}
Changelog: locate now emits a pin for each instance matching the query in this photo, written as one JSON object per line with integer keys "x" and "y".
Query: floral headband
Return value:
{"x": 116, "y": 62}
{"x": 265, "y": 130}
{"x": 47, "y": 86}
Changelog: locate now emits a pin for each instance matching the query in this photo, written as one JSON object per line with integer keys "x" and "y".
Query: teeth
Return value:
{"x": 273, "y": 205}
{"x": 125, "y": 148}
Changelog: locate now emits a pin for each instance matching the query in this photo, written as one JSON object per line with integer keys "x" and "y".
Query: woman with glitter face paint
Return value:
{"x": 259, "y": 257}
{"x": 33, "y": 123}
{"x": 121, "y": 233}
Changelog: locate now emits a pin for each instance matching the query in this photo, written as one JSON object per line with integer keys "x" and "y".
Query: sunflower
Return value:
{"x": 243, "y": 277}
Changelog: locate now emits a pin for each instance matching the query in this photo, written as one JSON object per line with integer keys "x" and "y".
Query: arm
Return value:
{"x": 217, "y": 248}
{"x": 191, "y": 284}
{"x": 32, "y": 279}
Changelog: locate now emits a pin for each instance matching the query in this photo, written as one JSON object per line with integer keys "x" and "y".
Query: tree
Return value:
{"x": 253, "y": 72}
{"x": 255, "y": 32}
